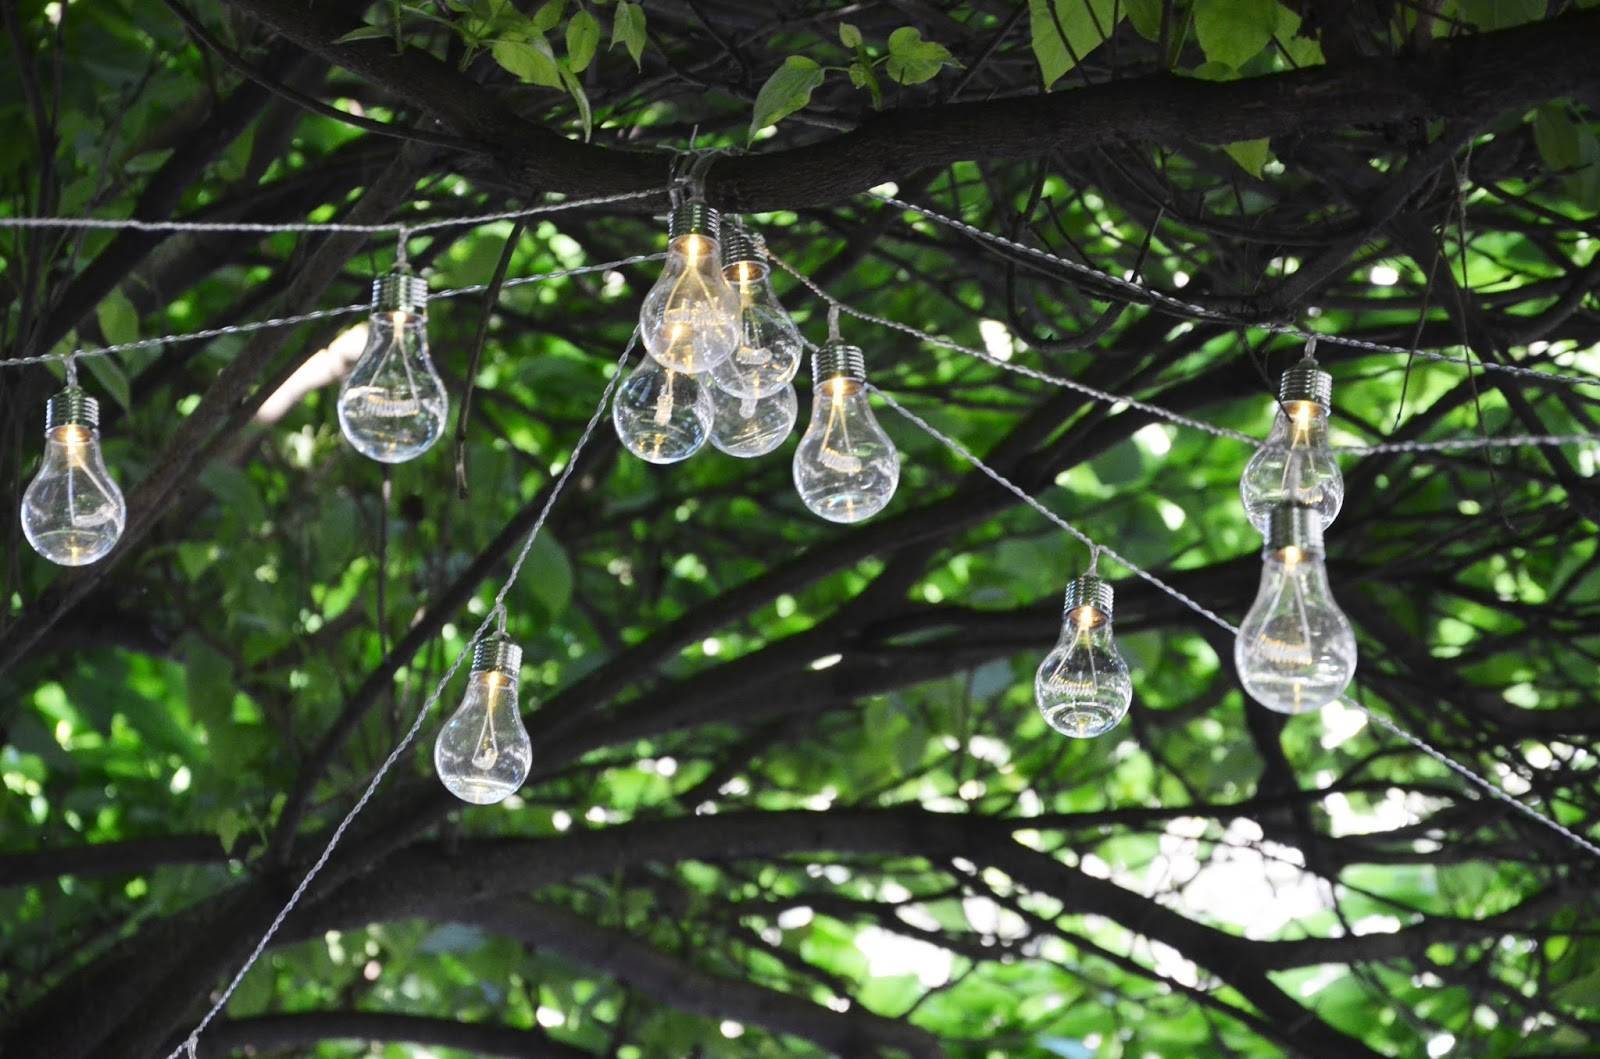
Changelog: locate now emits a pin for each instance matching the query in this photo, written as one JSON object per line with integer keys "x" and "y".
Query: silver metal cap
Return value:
{"x": 71, "y": 407}
{"x": 692, "y": 217}
{"x": 742, "y": 245}
{"x": 1307, "y": 382}
{"x": 1291, "y": 525}
{"x": 400, "y": 292}
{"x": 838, "y": 360}
{"x": 1091, "y": 591}
{"x": 496, "y": 651}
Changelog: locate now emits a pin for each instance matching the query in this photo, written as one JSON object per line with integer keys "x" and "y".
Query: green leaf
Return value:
{"x": 627, "y": 29}
{"x": 549, "y": 575}
{"x": 849, "y": 35}
{"x": 1145, "y": 15}
{"x": 112, "y": 379}
{"x": 364, "y": 33}
{"x": 913, "y": 60}
{"x": 229, "y": 826}
{"x": 583, "y": 37}
{"x": 209, "y": 678}
{"x": 1250, "y": 154}
{"x": 532, "y": 61}
{"x": 548, "y": 17}
{"x": 1085, "y": 24}
{"x": 1500, "y": 14}
{"x": 574, "y": 87}
{"x": 119, "y": 320}
{"x": 786, "y": 91}
{"x": 1234, "y": 31}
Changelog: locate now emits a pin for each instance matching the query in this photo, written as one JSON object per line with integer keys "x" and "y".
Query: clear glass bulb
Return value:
{"x": 1295, "y": 464}
{"x": 1295, "y": 651}
{"x": 1082, "y": 687}
{"x": 662, "y": 416}
{"x": 845, "y": 467}
{"x": 393, "y": 406}
{"x": 72, "y": 512}
{"x": 752, "y": 426}
{"x": 690, "y": 319}
{"x": 483, "y": 751}
{"x": 768, "y": 355}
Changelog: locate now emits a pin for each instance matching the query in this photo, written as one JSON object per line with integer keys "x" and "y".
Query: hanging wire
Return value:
{"x": 496, "y": 615}
{"x": 318, "y": 314}
{"x": 1416, "y": 741}
{"x": 112, "y": 223}
{"x": 1184, "y": 308}
{"x": 836, "y": 306}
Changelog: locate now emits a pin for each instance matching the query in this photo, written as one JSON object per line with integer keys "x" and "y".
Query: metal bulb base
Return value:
{"x": 1294, "y": 526}
{"x": 400, "y": 292}
{"x": 496, "y": 651}
{"x": 693, "y": 217}
{"x": 838, "y": 360}
{"x": 1088, "y": 591}
{"x": 1306, "y": 382}
{"x": 71, "y": 407}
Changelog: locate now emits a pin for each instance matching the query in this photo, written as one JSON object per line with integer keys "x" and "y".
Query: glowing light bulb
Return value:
{"x": 752, "y": 426}
{"x": 768, "y": 354}
{"x": 393, "y": 406}
{"x": 1082, "y": 687}
{"x": 845, "y": 467}
{"x": 1295, "y": 463}
{"x": 483, "y": 751}
{"x": 690, "y": 319}
{"x": 662, "y": 416}
{"x": 72, "y": 511}
{"x": 1295, "y": 651}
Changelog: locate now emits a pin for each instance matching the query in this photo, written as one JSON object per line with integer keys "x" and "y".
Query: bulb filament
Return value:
{"x": 835, "y": 453}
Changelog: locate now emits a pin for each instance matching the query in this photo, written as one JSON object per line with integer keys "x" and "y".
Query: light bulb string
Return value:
{"x": 836, "y": 305}
{"x": 496, "y": 613}
{"x": 1416, "y": 741}
{"x": 1191, "y": 309}
{"x": 269, "y": 228}
{"x": 317, "y": 314}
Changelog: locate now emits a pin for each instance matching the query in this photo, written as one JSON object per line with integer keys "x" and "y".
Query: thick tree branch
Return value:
{"x": 1469, "y": 77}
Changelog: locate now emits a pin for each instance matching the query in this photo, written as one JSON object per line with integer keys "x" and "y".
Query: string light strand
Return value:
{"x": 319, "y": 314}
{"x": 190, "y": 1043}
{"x": 836, "y": 305}
{"x": 1386, "y": 723}
{"x": 1191, "y": 309}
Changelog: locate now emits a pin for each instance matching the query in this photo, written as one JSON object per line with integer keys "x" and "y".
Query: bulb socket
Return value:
{"x": 838, "y": 360}
{"x": 71, "y": 407}
{"x": 742, "y": 245}
{"x": 400, "y": 292}
{"x": 1089, "y": 592}
{"x": 692, "y": 217}
{"x": 1306, "y": 382}
{"x": 1294, "y": 526}
{"x": 496, "y": 651}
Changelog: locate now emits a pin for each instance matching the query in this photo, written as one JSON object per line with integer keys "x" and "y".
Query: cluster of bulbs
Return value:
{"x": 1295, "y": 651}
{"x": 723, "y": 355}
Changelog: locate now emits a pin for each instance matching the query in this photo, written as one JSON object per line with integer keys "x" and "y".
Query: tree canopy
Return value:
{"x": 790, "y": 793}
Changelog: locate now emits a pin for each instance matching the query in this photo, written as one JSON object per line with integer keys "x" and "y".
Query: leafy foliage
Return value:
{"x": 791, "y": 796}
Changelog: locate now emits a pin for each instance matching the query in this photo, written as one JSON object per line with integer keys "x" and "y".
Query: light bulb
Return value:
{"x": 1295, "y": 651}
{"x": 845, "y": 468}
{"x": 662, "y": 416}
{"x": 768, "y": 354}
{"x": 752, "y": 426}
{"x": 72, "y": 511}
{"x": 690, "y": 319}
{"x": 1295, "y": 463}
{"x": 483, "y": 751}
{"x": 1082, "y": 686}
{"x": 393, "y": 406}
